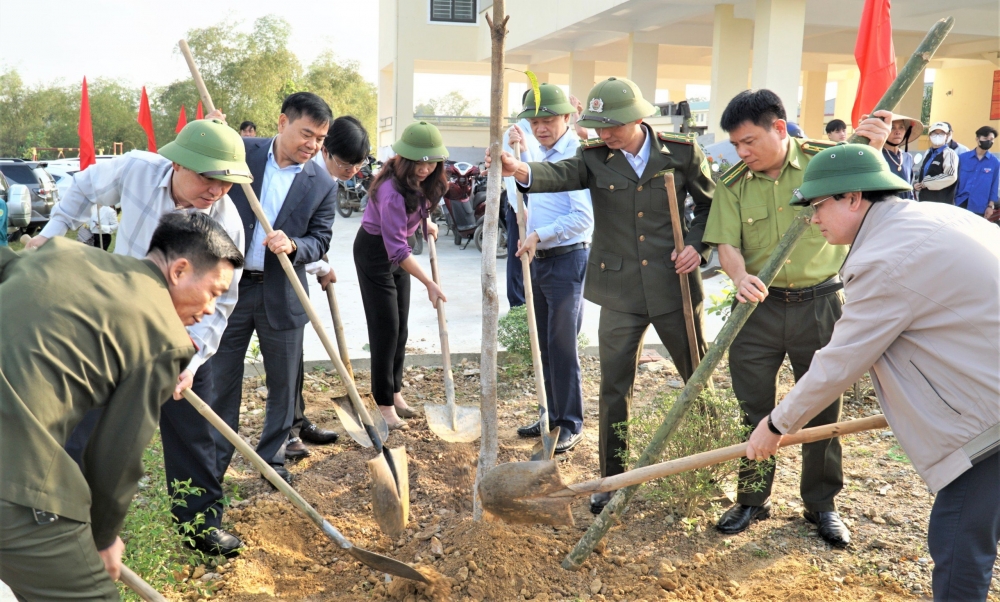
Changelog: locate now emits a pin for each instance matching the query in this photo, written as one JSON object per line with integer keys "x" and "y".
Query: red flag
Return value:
{"x": 86, "y": 131}
{"x": 146, "y": 121}
{"x": 182, "y": 121}
{"x": 875, "y": 56}
{"x": 200, "y": 114}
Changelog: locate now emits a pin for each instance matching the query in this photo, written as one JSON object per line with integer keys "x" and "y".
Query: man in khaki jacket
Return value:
{"x": 923, "y": 313}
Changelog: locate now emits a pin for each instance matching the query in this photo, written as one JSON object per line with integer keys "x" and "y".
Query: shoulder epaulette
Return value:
{"x": 811, "y": 147}
{"x": 732, "y": 175}
{"x": 678, "y": 138}
{"x": 592, "y": 143}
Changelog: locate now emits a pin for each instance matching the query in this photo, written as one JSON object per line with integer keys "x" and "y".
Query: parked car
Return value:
{"x": 62, "y": 172}
{"x": 44, "y": 194}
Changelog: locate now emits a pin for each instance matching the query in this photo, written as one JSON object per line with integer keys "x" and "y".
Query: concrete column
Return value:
{"x": 779, "y": 26}
{"x": 847, "y": 90}
{"x": 581, "y": 78}
{"x": 386, "y": 98}
{"x": 732, "y": 41}
{"x": 642, "y": 63}
{"x": 403, "y": 87}
{"x": 813, "y": 103}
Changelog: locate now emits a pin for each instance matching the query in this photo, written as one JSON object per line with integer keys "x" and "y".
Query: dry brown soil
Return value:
{"x": 653, "y": 555}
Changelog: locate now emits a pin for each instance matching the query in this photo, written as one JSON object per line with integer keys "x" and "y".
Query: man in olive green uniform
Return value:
{"x": 632, "y": 272}
{"x": 81, "y": 340}
{"x": 796, "y": 315}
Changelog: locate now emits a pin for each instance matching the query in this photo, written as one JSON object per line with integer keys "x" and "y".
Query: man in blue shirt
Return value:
{"x": 560, "y": 226}
{"x": 979, "y": 175}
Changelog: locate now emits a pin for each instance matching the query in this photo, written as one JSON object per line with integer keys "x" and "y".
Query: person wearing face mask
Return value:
{"x": 979, "y": 175}
{"x": 895, "y": 152}
{"x": 937, "y": 177}
{"x": 400, "y": 200}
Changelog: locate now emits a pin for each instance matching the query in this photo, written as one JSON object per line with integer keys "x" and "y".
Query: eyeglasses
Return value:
{"x": 355, "y": 166}
{"x": 815, "y": 204}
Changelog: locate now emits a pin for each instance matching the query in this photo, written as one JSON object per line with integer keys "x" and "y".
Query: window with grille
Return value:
{"x": 453, "y": 11}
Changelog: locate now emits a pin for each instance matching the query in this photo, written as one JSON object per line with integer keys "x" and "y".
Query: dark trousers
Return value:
{"x": 385, "y": 293}
{"x": 101, "y": 241}
{"x": 621, "y": 337}
{"x": 299, "y": 420}
{"x": 964, "y": 532}
{"x": 54, "y": 560}
{"x": 557, "y": 287}
{"x": 776, "y": 329}
{"x": 515, "y": 278}
{"x": 282, "y": 352}
{"x": 188, "y": 451}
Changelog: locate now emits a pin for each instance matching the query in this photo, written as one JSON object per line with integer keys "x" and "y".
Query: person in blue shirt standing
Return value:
{"x": 896, "y": 149}
{"x": 557, "y": 236}
{"x": 979, "y": 175}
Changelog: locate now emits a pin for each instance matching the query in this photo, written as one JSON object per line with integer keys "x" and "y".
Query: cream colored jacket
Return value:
{"x": 922, "y": 283}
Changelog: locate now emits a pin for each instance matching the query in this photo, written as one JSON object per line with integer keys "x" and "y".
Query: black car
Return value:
{"x": 44, "y": 194}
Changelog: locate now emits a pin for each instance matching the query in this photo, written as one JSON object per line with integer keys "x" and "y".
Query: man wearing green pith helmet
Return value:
{"x": 926, "y": 320}
{"x": 191, "y": 174}
{"x": 633, "y": 270}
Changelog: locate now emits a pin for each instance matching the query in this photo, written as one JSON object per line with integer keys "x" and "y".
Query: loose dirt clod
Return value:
{"x": 437, "y": 590}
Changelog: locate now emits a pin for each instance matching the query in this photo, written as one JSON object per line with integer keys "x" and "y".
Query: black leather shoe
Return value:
{"x": 831, "y": 528}
{"x": 217, "y": 543}
{"x": 316, "y": 435}
{"x": 599, "y": 500}
{"x": 296, "y": 449}
{"x": 738, "y": 518}
{"x": 534, "y": 430}
{"x": 282, "y": 472}
{"x": 567, "y": 441}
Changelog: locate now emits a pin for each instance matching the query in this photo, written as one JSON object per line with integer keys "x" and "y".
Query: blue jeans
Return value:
{"x": 964, "y": 531}
{"x": 557, "y": 285}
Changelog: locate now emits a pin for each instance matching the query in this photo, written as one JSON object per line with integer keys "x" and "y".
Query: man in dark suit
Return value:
{"x": 298, "y": 199}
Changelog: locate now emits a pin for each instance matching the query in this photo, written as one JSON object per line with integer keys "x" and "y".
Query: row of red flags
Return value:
{"x": 873, "y": 52}
{"x": 85, "y": 130}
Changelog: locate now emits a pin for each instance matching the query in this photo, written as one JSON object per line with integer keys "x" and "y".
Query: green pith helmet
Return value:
{"x": 211, "y": 148}
{"x": 613, "y": 102}
{"x": 846, "y": 168}
{"x": 421, "y": 141}
{"x": 552, "y": 99}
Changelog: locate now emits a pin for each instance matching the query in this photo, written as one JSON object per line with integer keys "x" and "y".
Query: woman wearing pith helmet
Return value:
{"x": 401, "y": 198}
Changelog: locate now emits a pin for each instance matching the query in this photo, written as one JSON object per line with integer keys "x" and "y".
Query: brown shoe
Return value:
{"x": 296, "y": 449}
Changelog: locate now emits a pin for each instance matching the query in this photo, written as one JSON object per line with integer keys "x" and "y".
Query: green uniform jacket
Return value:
{"x": 82, "y": 328}
{"x": 630, "y": 269}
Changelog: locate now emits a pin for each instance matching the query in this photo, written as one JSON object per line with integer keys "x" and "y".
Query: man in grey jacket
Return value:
{"x": 926, "y": 320}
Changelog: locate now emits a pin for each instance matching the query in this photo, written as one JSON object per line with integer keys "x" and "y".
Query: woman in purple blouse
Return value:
{"x": 400, "y": 199}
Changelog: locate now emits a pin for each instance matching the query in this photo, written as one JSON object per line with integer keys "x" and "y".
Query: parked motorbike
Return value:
{"x": 465, "y": 206}
{"x": 351, "y": 193}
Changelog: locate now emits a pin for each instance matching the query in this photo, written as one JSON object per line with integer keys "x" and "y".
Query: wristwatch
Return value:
{"x": 295, "y": 247}
{"x": 771, "y": 427}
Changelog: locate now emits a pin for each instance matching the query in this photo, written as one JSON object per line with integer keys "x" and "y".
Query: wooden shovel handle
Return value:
{"x": 449, "y": 380}
{"x": 139, "y": 586}
{"x": 529, "y": 302}
{"x": 675, "y": 220}
{"x": 715, "y": 456}
{"x": 338, "y": 325}
{"x": 199, "y": 83}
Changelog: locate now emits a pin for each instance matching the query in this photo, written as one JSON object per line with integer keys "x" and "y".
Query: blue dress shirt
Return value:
{"x": 273, "y": 190}
{"x": 978, "y": 181}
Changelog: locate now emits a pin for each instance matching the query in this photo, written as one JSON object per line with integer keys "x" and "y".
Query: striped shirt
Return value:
{"x": 140, "y": 182}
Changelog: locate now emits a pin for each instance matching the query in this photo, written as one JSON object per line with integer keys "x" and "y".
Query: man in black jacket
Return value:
{"x": 298, "y": 199}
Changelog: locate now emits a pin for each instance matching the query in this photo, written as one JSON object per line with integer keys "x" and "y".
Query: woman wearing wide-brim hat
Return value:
{"x": 895, "y": 151}
{"x": 400, "y": 199}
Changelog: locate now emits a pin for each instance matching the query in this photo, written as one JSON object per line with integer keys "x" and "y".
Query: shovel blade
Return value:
{"x": 385, "y": 564}
{"x": 518, "y": 492}
{"x": 391, "y": 512}
{"x": 468, "y": 423}
{"x": 349, "y": 417}
{"x": 546, "y": 448}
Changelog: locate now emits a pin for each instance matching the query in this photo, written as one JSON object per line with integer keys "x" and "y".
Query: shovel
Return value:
{"x": 390, "y": 479}
{"x": 371, "y": 559}
{"x": 546, "y": 450}
{"x": 139, "y": 586}
{"x": 534, "y": 492}
{"x": 451, "y": 422}
{"x": 675, "y": 219}
{"x": 349, "y": 418}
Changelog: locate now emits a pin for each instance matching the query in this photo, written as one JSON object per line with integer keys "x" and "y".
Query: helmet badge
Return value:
{"x": 596, "y": 105}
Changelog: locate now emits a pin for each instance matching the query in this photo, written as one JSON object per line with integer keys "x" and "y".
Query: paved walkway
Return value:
{"x": 460, "y": 278}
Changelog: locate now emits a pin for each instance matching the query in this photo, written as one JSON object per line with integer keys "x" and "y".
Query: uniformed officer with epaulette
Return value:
{"x": 633, "y": 269}
{"x": 796, "y": 315}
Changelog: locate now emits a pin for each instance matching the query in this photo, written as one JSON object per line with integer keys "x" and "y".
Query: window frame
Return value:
{"x": 432, "y": 21}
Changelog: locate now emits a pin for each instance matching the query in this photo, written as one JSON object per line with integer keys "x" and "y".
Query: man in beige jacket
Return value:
{"x": 923, "y": 313}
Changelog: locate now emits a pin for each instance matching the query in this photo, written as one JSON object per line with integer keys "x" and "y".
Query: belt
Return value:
{"x": 806, "y": 294}
{"x": 557, "y": 251}
{"x": 253, "y": 276}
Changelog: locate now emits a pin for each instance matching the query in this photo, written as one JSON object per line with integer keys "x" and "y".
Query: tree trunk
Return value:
{"x": 488, "y": 444}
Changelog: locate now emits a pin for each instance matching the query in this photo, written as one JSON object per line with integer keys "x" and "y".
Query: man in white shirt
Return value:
{"x": 192, "y": 173}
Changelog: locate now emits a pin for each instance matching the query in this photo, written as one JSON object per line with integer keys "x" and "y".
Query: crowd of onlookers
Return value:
{"x": 948, "y": 172}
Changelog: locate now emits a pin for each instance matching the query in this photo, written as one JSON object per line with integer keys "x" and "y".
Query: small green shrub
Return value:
{"x": 722, "y": 304}
{"x": 513, "y": 334}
